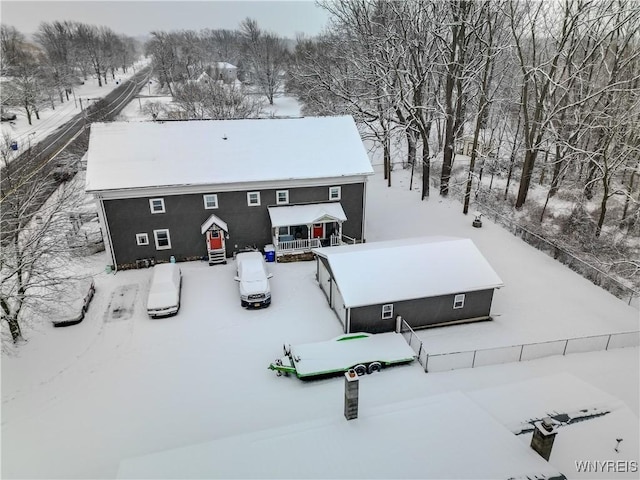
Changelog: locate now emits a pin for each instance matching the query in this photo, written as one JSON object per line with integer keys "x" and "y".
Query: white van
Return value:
{"x": 253, "y": 280}
{"x": 164, "y": 292}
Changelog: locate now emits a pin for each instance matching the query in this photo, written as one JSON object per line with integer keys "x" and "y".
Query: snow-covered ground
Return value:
{"x": 191, "y": 396}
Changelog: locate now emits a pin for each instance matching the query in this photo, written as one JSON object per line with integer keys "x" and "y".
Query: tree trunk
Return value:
{"x": 628, "y": 199}
{"x": 411, "y": 148}
{"x": 603, "y": 212}
{"x": 512, "y": 158}
{"x": 447, "y": 159}
{"x": 525, "y": 179}
{"x": 387, "y": 157}
{"x": 557, "y": 168}
{"x": 14, "y": 328}
{"x": 426, "y": 166}
{"x": 28, "y": 110}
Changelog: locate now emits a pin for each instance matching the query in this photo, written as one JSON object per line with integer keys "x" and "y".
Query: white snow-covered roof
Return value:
{"x": 128, "y": 155}
{"x": 306, "y": 214}
{"x": 396, "y": 270}
{"x": 225, "y": 66}
{"x": 214, "y": 220}
{"x": 440, "y": 436}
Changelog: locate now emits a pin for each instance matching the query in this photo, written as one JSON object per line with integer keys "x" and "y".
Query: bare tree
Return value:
{"x": 213, "y": 99}
{"x": 487, "y": 35}
{"x": 56, "y": 39}
{"x": 34, "y": 248}
{"x": 22, "y": 90}
{"x": 163, "y": 52}
{"x": 89, "y": 40}
{"x": 264, "y": 58}
{"x": 221, "y": 46}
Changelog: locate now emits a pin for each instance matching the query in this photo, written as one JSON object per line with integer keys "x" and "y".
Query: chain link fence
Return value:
{"x": 517, "y": 353}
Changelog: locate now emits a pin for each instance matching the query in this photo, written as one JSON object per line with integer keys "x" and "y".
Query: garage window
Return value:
{"x": 458, "y": 301}
{"x": 387, "y": 311}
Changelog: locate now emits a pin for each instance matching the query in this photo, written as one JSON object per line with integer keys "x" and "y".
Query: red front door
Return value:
{"x": 318, "y": 230}
{"x": 215, "y": 240}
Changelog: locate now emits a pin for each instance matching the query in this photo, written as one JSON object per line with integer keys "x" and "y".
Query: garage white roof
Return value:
{"x": 391, "y": 271}
{"x": 306, "y": 214}
{"x": 126, "y": 155}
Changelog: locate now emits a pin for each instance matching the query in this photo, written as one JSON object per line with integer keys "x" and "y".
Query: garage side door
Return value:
{"x": 338, "y": 304}
{"x": 324, "y": 279}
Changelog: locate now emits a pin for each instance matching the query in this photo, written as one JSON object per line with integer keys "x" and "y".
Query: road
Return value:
{"x": 37, "y": 162}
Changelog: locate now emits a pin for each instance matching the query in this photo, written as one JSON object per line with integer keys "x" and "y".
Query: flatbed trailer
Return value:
{"x": 363, "y": 352}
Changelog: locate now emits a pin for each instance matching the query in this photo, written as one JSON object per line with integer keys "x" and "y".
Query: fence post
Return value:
{"x": 473, "y": 362}
{"x": 566, "y": 342}
{"x": 420, "y": 351}
{"x": 521, "y": 348}
{"x": 608, "y": 340}
{"x": 426, "y": 362}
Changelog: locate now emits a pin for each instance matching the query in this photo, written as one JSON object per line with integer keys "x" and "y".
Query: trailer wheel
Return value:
{"x": 360, "y": 370}
{"x": 374, "y": 367}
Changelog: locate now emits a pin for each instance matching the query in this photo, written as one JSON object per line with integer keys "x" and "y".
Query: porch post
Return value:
{"x": 339, "y": 233}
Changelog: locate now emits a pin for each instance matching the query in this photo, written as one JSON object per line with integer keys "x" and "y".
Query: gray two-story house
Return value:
{"x": 206, "y": 189}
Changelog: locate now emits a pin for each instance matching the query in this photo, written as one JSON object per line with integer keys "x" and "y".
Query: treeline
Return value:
{"x": 179, "y": 58}
{"x": 541, "y": 92}
{"x": 63, "y": 54}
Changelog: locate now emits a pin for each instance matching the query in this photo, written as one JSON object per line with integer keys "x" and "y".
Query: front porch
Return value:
{"x": 297, "y": 229}
{"x": 216, "y": 231}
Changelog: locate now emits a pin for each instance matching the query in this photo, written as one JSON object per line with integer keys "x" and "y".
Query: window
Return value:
{"x": 282, "y": 197}
{"x": 334, "y": 193}
{"x": 458, "y": 301}
{"x": 283, "y": 231}
{"x": 142, "y": 239}
{"x": 210, "y": 201}
{"x": 157, "y": 205}
{"x": 387, "y": 311}
{"x": 253, "y": 199}
{"x": 163, "y": 240}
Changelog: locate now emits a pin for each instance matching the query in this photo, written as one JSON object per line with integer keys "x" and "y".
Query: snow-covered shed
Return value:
{"x": 158, "y": 183}
{"x": 428, "y": 281}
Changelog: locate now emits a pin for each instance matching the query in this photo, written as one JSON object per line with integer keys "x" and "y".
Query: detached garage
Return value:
{"x": 428, "y": 281}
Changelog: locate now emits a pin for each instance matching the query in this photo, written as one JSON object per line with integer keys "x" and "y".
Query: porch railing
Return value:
{"x": 303, "y": 244}
{"x": 348, "y": 240}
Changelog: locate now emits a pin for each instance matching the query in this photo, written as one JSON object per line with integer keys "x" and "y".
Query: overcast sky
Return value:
{"x": 135, "y": 18}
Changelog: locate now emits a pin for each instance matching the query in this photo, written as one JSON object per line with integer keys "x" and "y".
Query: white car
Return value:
{"x": 253, "y": 280}
{"x": 164, "y": 292}
{"x": 72, "y": 304}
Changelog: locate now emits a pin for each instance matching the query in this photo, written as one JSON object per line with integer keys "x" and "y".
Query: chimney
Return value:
{"x": 351, "y": 394}
{"x": 544, "y": 433}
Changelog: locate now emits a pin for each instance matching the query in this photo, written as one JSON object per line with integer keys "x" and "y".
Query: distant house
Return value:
{"x": 194, "y": 189}
{"x": 427, "y": 281}
{"x": 224, "y": 71}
